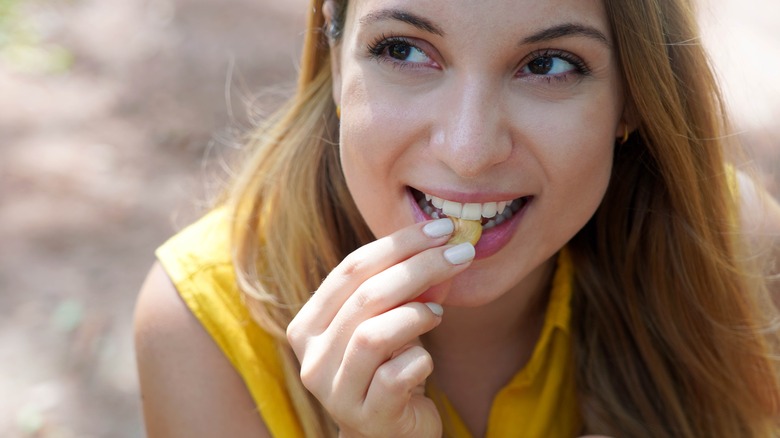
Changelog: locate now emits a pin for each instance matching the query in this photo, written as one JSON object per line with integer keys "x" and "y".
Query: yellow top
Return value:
{"x": 539, "y": 401}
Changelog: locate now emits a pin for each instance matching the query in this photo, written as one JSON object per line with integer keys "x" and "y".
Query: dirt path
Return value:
{"x": 107, "y": 108}
{"x": 100, "y": 162}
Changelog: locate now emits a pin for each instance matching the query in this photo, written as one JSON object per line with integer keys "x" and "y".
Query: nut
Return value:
{"x": 465, "y": 231}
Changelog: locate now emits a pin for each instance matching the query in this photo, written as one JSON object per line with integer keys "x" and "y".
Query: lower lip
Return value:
{"x": 493, "y": 239}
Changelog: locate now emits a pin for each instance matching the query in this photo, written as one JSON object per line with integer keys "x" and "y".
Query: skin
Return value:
{"x": 458, "y": 116}
{"x": 204, "y": 398}
{"x": 470, "y": 129}
{"x": 464, "y": 126}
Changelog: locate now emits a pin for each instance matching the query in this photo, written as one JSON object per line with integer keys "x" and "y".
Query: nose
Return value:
{"x": 471, "y": 135}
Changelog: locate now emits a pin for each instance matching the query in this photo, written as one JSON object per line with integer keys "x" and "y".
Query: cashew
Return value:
{"x": 465, "y": 231}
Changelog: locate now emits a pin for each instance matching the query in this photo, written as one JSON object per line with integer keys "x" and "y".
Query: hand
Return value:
{"x": 357, "y": 337}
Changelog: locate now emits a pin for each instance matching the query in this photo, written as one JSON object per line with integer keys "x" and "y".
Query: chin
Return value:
{"x": 458, "y": 292}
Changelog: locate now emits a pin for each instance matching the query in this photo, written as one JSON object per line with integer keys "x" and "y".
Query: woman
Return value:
{"x": 609, "y": 292}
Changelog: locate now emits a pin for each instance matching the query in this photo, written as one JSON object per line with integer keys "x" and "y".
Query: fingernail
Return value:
{"x": 460, "y": 254}
{"x": 439, "y": 228}
{"x": 437, "y": 309}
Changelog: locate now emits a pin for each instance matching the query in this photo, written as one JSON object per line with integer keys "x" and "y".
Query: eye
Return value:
{"x": 401, "y": 52}
{"x": 405, "y": 52}
{"x": 550, "y": 64}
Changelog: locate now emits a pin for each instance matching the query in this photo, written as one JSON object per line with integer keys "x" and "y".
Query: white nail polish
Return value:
{"x": 439, "y": 228}
{"x": 460, "y": 254}
{"x": 436, "y": 308}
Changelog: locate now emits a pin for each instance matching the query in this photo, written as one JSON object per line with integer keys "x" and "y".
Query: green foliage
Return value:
{"x": 23, "y": 49}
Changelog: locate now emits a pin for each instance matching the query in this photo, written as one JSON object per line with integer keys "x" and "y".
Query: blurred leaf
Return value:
{"x": 37, "y": 59}
{"x": 22, "y": 48}
{"x": 68, "y": 315}
{"x": 29, "y": 419}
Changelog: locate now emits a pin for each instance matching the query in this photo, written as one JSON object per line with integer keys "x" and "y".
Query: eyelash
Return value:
{"x": 580, "y": 67}
{"x": 378, "y": 46}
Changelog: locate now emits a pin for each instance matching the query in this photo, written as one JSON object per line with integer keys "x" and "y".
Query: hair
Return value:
{"x": 669, "y": 336}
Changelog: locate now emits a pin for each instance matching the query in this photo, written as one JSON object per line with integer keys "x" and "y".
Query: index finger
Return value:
{"x": 367, "y": 261}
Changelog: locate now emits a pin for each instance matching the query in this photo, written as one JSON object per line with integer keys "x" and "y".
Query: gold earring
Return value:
{"x": 338, "y": 111}
{"x": 625, "y": 135}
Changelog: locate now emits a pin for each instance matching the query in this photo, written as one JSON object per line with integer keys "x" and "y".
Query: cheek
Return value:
{"x": 382, "y": 129}
{"x": 371, "y": 162}
{"x": 357, "y": 162}
{"x": 575, "y": 151}
{"x": 361, "y": 186}
{"x": 593, "y": 143}
{"x": 368, "y": 151}
{"x": 366, "y": 125}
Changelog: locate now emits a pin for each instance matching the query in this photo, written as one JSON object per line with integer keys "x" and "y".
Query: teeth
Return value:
{"x": 451, "y": 208}
{"x": 471, "y": 212}
{"x": 489, "y": 209}
{"x": 497, "y": 212}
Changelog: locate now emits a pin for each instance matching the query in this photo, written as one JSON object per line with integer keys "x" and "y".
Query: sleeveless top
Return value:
{"x": 539, "y": 401}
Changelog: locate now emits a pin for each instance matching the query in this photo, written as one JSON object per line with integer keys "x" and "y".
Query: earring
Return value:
{"x": 625, "y": 135}
{"x": 338, "y": 111}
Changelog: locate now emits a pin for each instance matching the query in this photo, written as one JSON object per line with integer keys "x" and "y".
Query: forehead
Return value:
{"x": 490, "y": 16}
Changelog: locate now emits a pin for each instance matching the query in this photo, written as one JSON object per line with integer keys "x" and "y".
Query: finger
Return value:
{"x": 401, "y": 283}
{"x": 367, "y": 261}
{"x": 397, "y": 285}
{"x": 397, "y": 381}
{"x": 376, "y": 341}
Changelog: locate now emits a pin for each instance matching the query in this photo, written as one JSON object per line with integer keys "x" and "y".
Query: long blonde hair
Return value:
{"x": 669, "y": 334}
{"x": 667, "y": 323}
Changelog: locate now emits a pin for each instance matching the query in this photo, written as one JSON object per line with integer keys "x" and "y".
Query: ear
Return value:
{"x": 329, "y": 11}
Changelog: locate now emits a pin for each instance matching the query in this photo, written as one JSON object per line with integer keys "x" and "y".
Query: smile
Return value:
{"x": 489, "y": 213}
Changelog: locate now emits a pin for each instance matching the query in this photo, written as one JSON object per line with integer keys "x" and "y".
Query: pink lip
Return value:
{"x": 492, "y": 239}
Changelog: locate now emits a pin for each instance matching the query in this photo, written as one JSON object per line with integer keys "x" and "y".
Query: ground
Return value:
{"x": 114, "y": 116}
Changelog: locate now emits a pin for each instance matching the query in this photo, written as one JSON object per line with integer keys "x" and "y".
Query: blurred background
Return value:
{"x": 114, "y": 116}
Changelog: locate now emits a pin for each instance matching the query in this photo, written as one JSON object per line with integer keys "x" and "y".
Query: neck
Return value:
{"x": 498, "y": 324}
{"x": 476, "y": 351}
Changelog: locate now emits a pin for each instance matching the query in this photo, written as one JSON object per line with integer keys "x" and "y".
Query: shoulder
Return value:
{"x": 189, "y": 388}
{"x": 200, "y": 245}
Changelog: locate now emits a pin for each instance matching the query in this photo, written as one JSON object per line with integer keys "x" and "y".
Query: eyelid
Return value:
{"x": 579, "y": 64}
{"x": 378, "y": 46}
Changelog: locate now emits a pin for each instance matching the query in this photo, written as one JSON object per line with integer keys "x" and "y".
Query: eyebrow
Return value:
{"x": 566, "y": 30}
{"x": 559, "y": 31}
{"x": 400, "y": 15}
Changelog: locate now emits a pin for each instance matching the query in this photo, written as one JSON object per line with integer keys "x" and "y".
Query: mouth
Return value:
{"x": 490, "y": 214}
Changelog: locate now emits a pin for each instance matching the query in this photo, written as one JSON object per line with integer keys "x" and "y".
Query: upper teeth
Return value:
{"x": 468, "y": 211}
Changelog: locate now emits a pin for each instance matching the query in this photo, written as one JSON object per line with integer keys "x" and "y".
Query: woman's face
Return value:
{"x": 513, "y": 102}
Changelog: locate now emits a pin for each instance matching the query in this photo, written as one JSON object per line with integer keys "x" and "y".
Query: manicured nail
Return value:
{"x": 437, "y": 309}
{"x": 460, "y": 254}
{"x": 439, "y": 228}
